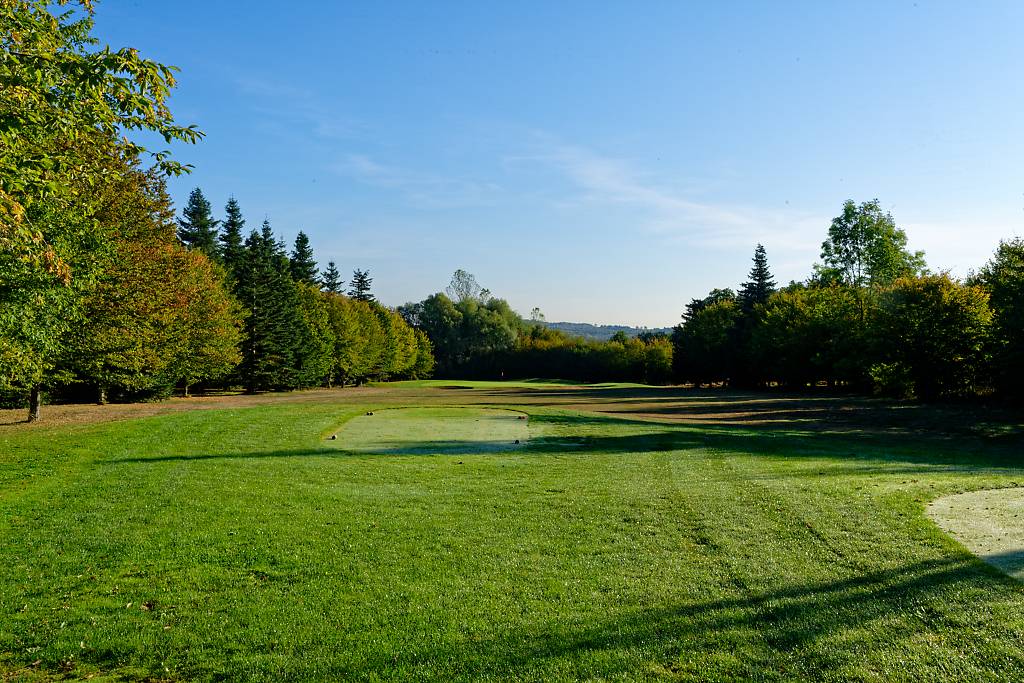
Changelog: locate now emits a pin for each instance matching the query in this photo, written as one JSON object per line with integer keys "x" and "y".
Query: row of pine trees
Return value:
{"x": 298, "y": 329}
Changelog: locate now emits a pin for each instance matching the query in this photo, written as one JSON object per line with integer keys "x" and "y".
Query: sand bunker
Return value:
{"x": 989, "y": 523}
{"x": 434, "y": 431}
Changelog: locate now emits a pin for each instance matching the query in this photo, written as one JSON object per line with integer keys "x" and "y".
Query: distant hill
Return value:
{"x": 602, "y": 332}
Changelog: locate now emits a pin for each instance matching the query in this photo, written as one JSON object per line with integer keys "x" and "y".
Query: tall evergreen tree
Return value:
{"x": 232, "y": 246}
{"x": 359, "y": 288}
{"x": 198, "y": 229}
{"x": 302, "y": 263}
{"x": 761, "y": 284}
{"x": 331, "y": 280}
{"x": 273, "y": 328}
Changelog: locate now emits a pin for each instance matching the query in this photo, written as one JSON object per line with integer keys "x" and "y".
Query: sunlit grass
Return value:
{"x": 240, "y": 544}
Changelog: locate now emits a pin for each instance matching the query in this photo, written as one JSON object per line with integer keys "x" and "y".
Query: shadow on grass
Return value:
{"x": 803, "y": 632}
{"x": 852, "y": 454}
{"x": 769, "y": 410}
{"x": 926, "y": 615}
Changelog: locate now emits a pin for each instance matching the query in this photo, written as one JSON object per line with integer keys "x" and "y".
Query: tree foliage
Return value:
{"x": 302, "y": 262}
{"x": 1003, "y": 278}
{"x": 761, "y": 284}
{"x": 330, "y": 280}
{"x": 198, "y": 228}
{"x": 232, "y": 240}
{"x": 57, "y": 88}
{"x": 865, "y": 248}
{"x": 64, "y": 103}
{"x": 360, "y": 286}
{"x": 479, "y": 335}
{"x": 931, "y": 334}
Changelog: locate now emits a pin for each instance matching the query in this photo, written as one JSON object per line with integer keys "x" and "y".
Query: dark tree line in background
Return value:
{"x": 871, "y": 318}
{"x": 477, "y": 335}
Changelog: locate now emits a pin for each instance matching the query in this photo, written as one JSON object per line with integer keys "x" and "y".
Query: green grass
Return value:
{"x": 434, "y": 431}
{"x": 480, "y": 384}
{"x": 239, "y": 544}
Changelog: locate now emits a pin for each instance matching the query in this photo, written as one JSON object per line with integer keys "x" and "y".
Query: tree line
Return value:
{"x": 870, "y": 318}
{"x": 102, "y": 292}
{"x": 297, "y": 326}
{"x": 105, "y": 292}
{"x": 477, "y": 335}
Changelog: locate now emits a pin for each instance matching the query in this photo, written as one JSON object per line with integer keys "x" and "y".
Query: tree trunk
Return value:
{"x": 185, "y": 391}
{"x": 101, "y": 395}
{"x": 35, "y": 400}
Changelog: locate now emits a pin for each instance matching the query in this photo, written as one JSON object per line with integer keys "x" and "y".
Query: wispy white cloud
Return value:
{"x": 425, "y": 190}
{"x": 298, "y": 106}
{"x": 671, "y": 213}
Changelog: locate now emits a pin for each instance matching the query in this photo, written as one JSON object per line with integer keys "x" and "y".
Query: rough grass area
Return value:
{"x": 642, "y": 534}
{"x": 990, "y": 523}
{"x": 426, "y": 431}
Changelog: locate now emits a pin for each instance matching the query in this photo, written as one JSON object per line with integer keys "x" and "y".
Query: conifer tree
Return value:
{"x": 273, "y": 328}
{"x": 331, "y": 281}
{"x": 198, "y": 229}
{"x": 359, "y": 288}
{"x": 761, "y": 284}
{"x": 748, "y": 367}
{"x": 302, "y": 263}
{"x": 231, "y": 242}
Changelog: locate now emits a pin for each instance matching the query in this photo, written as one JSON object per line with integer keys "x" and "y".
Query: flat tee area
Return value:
{"x": 990, "y": 523}
{"x": 434, "y": 431}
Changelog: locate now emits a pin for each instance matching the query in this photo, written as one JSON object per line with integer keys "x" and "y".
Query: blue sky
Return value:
{"x": 605, "y": 161}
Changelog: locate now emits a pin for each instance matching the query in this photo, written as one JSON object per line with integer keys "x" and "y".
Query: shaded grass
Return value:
{"x": 609, "y": 549}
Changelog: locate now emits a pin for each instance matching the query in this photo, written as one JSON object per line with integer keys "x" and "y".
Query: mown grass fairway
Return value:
{"x": 434, "y": 431}
{"x": 641, "y": 534}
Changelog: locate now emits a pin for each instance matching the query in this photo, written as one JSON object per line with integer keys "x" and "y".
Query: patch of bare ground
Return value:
{"x": 83, "y": 413}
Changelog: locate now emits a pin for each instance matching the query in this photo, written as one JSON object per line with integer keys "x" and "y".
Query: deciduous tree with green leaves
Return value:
{"x": 931, "y": 335}
{"x": 1003, "y": 278}
{"x": 865, "y": 248}
{"x": 705, "y": 344}
{"x": 61, "y": 97}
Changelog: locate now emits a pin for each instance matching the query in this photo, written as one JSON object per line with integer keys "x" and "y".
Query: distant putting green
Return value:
{"x": 990, "y": 523}
{"x": 434, "y": 431}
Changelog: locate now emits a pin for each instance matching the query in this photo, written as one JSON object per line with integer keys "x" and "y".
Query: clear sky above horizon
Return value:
{"x": 605, "y": 162}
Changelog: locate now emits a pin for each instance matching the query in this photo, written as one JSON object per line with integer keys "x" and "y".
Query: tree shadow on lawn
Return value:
{"x": 817, "y": 627}
{"x": 1010, "y": 561}
{"x": 769, "y": 410}
{"x": 853, "y": 454}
